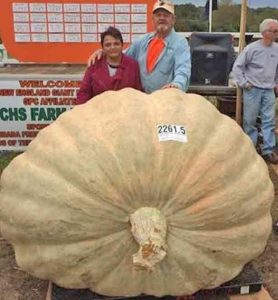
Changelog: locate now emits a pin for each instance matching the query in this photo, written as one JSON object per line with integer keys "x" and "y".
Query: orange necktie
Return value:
{"x": 155, "y": 48}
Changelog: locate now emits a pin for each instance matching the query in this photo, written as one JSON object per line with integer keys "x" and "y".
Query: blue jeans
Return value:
{"x": 260, "y": 102}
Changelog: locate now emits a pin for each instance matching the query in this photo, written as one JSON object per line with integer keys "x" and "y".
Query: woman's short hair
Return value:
{"x": 113, "y": 32}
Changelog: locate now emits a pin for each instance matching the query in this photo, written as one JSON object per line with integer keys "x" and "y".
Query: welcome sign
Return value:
{"x": 27, "y": 106}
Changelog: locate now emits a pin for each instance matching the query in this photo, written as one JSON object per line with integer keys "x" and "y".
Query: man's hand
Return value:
{"x": 170, "y": 85}
{"x": 248, "y": 86}
{"x": 95, "y": 57}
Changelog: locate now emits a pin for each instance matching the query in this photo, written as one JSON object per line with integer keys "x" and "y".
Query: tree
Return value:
{"x": 225, "y": 19}
{"x": 226, "y": 2}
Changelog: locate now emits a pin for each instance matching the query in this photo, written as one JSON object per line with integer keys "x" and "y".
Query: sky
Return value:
{"x": 251, "y": 3}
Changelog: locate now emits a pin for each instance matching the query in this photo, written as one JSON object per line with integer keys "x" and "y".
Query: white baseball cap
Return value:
{"x": 164, "y": 4}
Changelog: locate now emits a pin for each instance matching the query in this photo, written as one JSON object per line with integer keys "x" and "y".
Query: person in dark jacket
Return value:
{"x": 114, "y": 71}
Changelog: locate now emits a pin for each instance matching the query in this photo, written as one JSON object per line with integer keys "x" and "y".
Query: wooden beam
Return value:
{"x": 212, "y": 90}
{"x": 241, "y": 46}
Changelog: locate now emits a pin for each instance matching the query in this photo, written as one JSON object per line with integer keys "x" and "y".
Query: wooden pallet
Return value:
{"x": 261, "y": 295}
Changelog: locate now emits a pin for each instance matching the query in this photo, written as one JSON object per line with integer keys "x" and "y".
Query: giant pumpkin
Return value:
{"x": 133, "y": 193}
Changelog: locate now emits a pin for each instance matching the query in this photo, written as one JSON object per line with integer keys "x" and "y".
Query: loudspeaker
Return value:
{"x": 212, "y": 56}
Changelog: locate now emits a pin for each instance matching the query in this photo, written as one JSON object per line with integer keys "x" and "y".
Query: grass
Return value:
{"x": 6, "y": 158}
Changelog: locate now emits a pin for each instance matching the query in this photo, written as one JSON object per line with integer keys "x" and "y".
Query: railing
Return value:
{"x": 212, "y": 90}
{"x": 5, "y": 59}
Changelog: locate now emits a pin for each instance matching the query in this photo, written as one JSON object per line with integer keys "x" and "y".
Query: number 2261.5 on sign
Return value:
{"x": 171, "y": 132}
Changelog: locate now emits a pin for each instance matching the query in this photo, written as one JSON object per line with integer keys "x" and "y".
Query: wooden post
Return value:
{"x": 241, "y": 46}
{"x": 49, "y": 291}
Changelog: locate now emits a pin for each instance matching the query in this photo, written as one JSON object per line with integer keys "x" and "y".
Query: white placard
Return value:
{"x": 171, "y": 132}
{"x": 245, "y": 289}
{"x": 54, "y": 7}
{"x": 126, "y": 37}
{"x": 75, "y": 28}
{"x": 22, "y": 37}
{"x": 88, "y": 8}
{"x": 89, "y": 18}
{"x": 89, "y": 28}
{"x": 38, "y": 27}
{"x": 139, "y": 8}
{"x": 89, "y": 38}
{"x": 139, "y": 28}
{"x": 21, "y": 17}
{"x": 122, "y": 8}
{"x": 105, "y": 8}
{"x": 37, "y": 17}
{"x": 37, "y": 7}
{"x": 20, "y": 7}
{"x": 21, "y": 27}
{"x": 105, "y": 18}
{"x": 55, "y": 27}
{"x": 75, "y": 18}
{"x": 55, "y": 17}
{"x": 56, "y": 38}
{"x": 73, "y": 38}
{"x": 138, "y": 18}
{"x": 102, "y": 26}
{"x": 124, "y": 28}
{"x": 71, "y": 7}
{"x": 39, "y": 38}
{"x": 122, "y": 18}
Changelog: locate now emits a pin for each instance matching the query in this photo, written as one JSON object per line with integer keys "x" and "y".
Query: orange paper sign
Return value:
{"x": 53, "y": 31}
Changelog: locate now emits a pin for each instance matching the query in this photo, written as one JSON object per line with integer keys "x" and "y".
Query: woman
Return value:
{"x": 113, "y": 71}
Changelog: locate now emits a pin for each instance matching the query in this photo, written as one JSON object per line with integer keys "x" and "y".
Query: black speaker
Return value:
{"x": 212, "y": 56}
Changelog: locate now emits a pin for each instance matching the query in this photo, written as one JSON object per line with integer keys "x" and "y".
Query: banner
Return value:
{"x": 27, "y": 106}
{"x": 53, "y": 31}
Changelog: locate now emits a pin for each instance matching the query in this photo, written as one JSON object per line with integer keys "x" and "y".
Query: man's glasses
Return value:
{"x": 273, "y": 31}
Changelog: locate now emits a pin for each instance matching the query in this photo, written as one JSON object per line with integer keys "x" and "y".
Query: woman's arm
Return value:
{"x": 85, "y": 92}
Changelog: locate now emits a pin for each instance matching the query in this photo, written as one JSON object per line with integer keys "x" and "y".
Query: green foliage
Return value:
{"x": 190, "y": 18}
{"x": 225, "y": 19}
{"x": 256, "y": 16}
{"x": 226, "y": 2}
{"x": 6, "y": 158}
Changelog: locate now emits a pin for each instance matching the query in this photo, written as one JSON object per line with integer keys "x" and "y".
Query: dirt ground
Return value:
{"x": 267, "y": 263}
{"x": 15, "y": 284}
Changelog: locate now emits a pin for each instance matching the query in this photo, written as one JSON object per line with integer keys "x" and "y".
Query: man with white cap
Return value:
{"x": 163, "y": 55}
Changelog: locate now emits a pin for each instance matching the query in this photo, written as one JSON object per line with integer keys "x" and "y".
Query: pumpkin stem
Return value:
{"x": 149, "y": 228}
